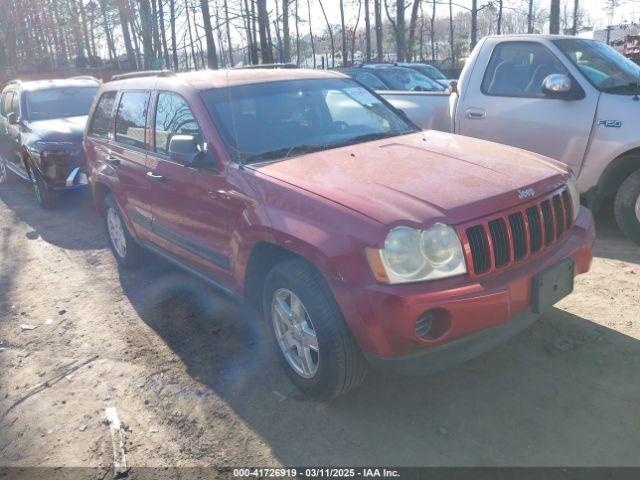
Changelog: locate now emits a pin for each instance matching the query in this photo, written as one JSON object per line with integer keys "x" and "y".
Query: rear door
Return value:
{"x": 189, "y": 216}
{"x": 127, "y": 155}
{"x": 504, "y": 102}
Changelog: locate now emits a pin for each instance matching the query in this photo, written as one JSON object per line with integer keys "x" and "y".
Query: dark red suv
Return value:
{"x": 362, "y": 239}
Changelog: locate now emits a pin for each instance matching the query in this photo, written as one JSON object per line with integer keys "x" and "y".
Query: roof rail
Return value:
{"x": 267, "y": 66}
{"x": 85, "y": 77}
{"x": 144, "y": 73}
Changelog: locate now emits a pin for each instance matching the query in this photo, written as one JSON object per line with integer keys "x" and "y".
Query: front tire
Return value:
{"x": 44, "y": 195}
{"x": 126, "y": 250}
{"x": 627, "y": 206}
{"x": 314, "y": 344}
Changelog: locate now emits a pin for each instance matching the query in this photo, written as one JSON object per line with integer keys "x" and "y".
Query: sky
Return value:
{"x": 628, "y": 10}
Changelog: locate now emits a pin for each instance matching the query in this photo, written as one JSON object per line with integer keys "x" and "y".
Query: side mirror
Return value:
{"x": 184, "y": 149}
{"x": 453, "y": 87}
{"x": 12, "y": 118}
{"x": 558, "y": 85}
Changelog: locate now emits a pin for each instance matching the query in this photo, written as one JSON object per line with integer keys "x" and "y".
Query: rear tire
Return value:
{"x": 627, "y": 206}
{"x": 125, "y": 249}
{"x": 339, "y": 364}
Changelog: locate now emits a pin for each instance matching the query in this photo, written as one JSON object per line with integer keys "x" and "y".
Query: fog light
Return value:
{"x": 424, "y": 324}
{"x": 433, "y": 324}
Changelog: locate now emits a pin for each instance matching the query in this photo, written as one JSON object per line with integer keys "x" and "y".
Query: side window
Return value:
{"x": 517, "y": 69}
{"x": 102, "y": 115}
{"x": 131, "y": 119}
{"x": 370, "y": 81}
{"x": 174, "y": 117}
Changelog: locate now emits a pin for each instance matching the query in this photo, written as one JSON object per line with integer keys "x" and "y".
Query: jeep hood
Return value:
{"x": 421, "y": 177}
{"x": 69, "y": 129}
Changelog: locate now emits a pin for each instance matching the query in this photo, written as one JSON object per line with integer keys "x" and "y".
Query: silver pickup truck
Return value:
{"x": 571, "y": 99}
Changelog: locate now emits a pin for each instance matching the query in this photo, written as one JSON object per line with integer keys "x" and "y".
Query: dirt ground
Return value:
{"x": 195, "y": 381}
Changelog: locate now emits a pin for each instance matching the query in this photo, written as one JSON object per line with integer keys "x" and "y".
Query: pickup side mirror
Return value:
{"x": 184, "y": 149}
{"x": 560, "y": 86}
{"x": 12, "y": 118}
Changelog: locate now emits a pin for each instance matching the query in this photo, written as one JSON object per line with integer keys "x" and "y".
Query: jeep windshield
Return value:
{"x": 277, "y": 120}
{"x": 59, "y": 102}
{"x": 606, "y": 69}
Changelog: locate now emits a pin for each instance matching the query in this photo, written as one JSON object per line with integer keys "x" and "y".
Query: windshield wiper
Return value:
{"x": 285, "y": 152}
{"x": 368, "y": 137}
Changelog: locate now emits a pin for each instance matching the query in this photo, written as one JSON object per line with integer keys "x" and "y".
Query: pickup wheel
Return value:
{"x": 126, "y": 250}
{"x": 313, "y": 341}
{"x": 627, "y": 206}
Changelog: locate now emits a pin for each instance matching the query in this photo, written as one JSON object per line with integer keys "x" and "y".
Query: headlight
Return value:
{"x": 411, "y": 255}
{"x": 575, "y": 196}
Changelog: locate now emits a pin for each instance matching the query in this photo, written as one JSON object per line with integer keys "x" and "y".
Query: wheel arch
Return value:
{"x": 612, "y": 177}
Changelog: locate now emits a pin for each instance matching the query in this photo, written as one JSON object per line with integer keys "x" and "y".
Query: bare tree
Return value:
{"x": 554, "y": 17}
{"x": 212, "y": 54}
{"x": 286, "y": 38}
{"x": 367, "y": 31}
{"x": 333, "y": 47}
{"x": 378, "y": 14}
{"x": 263, "y": 25}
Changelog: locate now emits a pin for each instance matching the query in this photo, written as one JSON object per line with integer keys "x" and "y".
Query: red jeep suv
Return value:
{"x": 362, "y": 239}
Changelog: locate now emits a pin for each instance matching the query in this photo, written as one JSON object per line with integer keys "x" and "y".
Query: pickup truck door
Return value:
{"x": 503, "y": 102}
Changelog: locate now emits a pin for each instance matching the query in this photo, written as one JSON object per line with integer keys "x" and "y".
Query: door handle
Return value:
{"x": 476, "y": 113}
{"x": 155, "y": 178}
{"x": 113, "y": 161}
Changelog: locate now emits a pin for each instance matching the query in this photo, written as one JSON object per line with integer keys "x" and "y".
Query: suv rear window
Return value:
{"x": 132, "y": 118}
{"x": 102, "y": 115}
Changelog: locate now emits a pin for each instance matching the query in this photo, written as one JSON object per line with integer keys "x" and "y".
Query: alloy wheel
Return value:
{"x": 295, "y": 333}
{"x": 116, "y": 232}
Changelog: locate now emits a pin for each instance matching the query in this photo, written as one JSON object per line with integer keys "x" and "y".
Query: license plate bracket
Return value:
{"x": 551, "y": 285}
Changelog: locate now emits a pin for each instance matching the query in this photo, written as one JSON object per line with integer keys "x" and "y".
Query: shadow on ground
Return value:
{"x": 562, "y": 393}
{"x": 20, "y": 198}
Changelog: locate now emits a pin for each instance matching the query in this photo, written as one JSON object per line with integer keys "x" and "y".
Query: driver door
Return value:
{"x": 510, "y": 107}
{"x": 189, "y": 215}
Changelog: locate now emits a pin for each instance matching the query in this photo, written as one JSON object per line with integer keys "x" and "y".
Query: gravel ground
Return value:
{"x": 195, "y": 382}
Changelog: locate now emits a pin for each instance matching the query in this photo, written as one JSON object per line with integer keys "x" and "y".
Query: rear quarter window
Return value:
{"x": 131, "y": 119}
{"x": 99, "y": 126}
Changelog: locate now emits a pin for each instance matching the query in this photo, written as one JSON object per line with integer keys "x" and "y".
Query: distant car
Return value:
{"x": 392, "y": 77}
{"x": 41, "y": 126}
{"x": 430, "y": 71}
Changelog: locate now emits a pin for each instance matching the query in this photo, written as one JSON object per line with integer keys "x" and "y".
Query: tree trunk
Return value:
{"x": 297, "y": 36}
{"x": 401, "y": 41}
{"x": 530, "y": 18}
{"x": 107, "y": 31}
{"x": 212, "y": 55}
{"x": 146, "y": 27}
{"x": 174, "y": 41}
{"x": 263, "y": 25}
{"x": 126, "y": 37}
{"x": 576, "y": 7}
{"x": 333, "y": 49}
{"x": 286, "y": 39}
{"x": 345, "y": 53}
{"x": 378, "y": 15}
{"x": 313, "y": 46}
{"x": 367, "y": 31}
{"x": 413, "y": 22}
{"x": 227, "y": 21}
{"x": 85, "y": 29}
{"x": 474, "y": 23}
{"x": 554, "y": 17}
{"x": 432, "y": 32}
{"x": 451, "y": 36}
{"x": 500, "y": 6}
{"x": 163, "y": 34}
